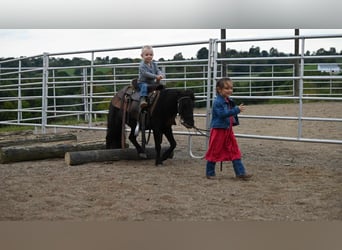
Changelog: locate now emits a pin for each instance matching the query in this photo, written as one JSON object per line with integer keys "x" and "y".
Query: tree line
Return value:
{"x": 201, "y": 54}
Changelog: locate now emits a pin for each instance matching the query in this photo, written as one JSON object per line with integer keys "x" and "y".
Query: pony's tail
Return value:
{"x": 114, "y": 128}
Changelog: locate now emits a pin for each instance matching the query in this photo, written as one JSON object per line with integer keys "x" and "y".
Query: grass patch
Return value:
{"x": 15, "y": 128}
{"x": 75, "y": 121}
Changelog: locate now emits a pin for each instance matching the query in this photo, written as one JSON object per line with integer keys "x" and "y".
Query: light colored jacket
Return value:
{"x": 148, "y": 73}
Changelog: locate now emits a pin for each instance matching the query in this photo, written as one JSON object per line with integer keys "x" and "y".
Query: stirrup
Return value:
{"x": 143, "y": 103}
{"x": 137, "y": 129}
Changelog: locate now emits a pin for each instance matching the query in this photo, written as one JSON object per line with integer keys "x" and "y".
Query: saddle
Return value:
{"x": 128, "y": 98}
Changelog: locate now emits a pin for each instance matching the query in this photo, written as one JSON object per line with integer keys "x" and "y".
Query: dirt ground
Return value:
{"x": 293, "y": 181}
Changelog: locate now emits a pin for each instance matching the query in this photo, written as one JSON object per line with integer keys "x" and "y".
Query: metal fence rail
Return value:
{"x": 51, "y": 96}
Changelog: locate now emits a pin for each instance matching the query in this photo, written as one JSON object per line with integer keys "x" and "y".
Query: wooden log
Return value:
{"x": 44, "y": 151}
{"x": 45, "y": 138}
{"x": 77, "y": 158}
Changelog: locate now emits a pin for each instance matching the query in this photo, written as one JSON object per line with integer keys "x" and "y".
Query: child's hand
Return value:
{"x": 159, "y": 77}
{"x": 242, "y": 107}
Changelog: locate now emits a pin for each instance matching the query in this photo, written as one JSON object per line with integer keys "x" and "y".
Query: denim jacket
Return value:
{"x": 222, "y": 110}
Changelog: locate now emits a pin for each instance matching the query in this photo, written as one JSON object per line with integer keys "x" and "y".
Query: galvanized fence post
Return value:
{"x": 19, "y": 106}
{"x": 211, "y": 61}
{"x": 85, "y": 94}
{"x": 301, "y": 85}
{"x": 45, "y": 81}
{"x": 90, "y": 108}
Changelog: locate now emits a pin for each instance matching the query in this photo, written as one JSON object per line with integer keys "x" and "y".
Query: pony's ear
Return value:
{"x": 191, "y": 94}
{"x": 188, "y": 92}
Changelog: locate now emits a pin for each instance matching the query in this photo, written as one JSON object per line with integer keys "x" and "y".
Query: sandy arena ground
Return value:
{"x": 293, "y": 181}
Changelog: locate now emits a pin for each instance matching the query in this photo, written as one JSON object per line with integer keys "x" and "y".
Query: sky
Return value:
{"x": 30, "y": 42}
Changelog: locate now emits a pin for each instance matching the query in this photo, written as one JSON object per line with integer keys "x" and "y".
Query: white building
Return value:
{"x": 332, "y": 68}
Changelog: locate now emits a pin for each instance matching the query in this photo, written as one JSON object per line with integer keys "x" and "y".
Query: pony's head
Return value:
{"x": 186, "y": 109}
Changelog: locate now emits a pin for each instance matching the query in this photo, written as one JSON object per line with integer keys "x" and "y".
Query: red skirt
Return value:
{"x": 222, "y": 146}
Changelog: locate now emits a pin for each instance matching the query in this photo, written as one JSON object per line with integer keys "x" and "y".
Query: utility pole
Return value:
{"x": 223, "y": 53}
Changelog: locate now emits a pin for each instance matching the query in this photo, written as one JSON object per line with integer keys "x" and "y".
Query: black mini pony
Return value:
{"x": 161, "y": 117}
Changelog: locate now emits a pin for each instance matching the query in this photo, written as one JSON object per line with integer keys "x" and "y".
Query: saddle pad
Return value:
{"x": 129, "y": 91}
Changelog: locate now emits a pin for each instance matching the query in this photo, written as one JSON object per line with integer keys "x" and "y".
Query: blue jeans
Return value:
{"x": 143, "y": 89}
{"x": 238, "y": 167}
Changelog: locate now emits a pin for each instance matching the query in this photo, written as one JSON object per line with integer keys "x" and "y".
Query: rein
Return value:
{"x": 201, "y": 130}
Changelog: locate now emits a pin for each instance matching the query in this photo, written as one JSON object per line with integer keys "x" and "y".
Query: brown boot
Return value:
{"x": 244, "y": 177}
{"x": 143, "y": 103}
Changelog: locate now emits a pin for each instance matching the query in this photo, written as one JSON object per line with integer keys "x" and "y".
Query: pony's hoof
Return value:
{"x": 171, "y": 155}
{"x": 143, "y": 155}
{"x": 159, "y": 163}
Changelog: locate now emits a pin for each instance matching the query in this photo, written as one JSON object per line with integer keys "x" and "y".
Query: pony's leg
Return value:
{"x": 113, "y": 136}
{"x": 132, "y": 137}
{"x": 169, "y": 152}
{"x": 158, "y": 137}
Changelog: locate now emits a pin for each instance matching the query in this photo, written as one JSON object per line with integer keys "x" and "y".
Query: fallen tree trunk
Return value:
{"x": 77, "y": 158}
{"x": 37, "y": 139}
{"x": 44, "y": 151}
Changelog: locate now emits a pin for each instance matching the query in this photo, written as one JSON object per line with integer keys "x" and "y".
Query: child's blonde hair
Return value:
{"x": 146, "y": 47}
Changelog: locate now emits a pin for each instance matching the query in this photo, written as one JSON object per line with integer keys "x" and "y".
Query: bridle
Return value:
{"x": 179, "y": 109}
{"x": 180, "y": 99}
{"x": 199, "y": 130}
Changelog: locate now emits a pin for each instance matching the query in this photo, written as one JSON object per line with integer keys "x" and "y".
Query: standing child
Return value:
{"x": 149, "y": 73}
{"x": 222, "y": 143}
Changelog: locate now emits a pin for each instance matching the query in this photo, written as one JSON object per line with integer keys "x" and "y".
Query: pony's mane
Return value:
{"x": 168, "y": 100}
{"x": 177, "y": 92}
